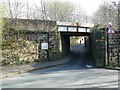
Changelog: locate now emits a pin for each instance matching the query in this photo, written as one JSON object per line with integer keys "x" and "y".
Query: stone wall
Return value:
{"x": 114, "y": 48}
{"x": 28, "y": 24}
{"x": 36, "y": 32}
{"x": 98, "y": 48}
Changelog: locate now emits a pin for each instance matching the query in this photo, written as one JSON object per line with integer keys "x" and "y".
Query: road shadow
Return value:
{"x": 79, "y": 59}
{"x": 81, "y": 55}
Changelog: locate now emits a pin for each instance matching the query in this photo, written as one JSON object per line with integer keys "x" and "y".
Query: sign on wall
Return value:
{"x": 44, "y": 46}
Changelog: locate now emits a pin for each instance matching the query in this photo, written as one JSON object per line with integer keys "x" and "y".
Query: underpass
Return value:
{"x": 79, "y": 72}
{"x": 80, "y": 51}
{"x": 80, "y": 56}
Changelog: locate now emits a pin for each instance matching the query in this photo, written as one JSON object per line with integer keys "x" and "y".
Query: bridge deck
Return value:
{"x": 70, "y": 28}
{"x": 75, "y": 33}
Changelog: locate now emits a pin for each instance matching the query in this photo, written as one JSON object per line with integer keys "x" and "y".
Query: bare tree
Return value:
{"x": 106, "y": 13}
{"x": 13, "y": 9}
{"x": 60, "y": 11}
{"x": 79, "y": 14}
{"x": 39, "y": 11}
{"x": 57, "y": 11}
{"x": 119, "y": 15}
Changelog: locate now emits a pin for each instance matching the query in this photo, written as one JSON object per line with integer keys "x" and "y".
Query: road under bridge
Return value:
{"x": 74, "y": 74}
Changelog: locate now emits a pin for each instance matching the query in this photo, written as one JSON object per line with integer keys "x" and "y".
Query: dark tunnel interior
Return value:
{"x": 79, "y": 52}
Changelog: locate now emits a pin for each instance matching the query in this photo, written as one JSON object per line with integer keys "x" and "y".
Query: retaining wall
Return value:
{"x": 32, "y": 33}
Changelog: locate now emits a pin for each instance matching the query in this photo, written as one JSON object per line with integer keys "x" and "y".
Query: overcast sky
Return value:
{"x": 89, "y": 6}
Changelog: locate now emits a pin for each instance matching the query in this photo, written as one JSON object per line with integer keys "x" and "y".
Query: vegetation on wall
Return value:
{"x": 98, "y": 47}
{"x": 17, "y": 49}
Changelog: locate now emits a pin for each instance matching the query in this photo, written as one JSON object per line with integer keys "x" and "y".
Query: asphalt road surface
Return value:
{"x": 79, "y": 72}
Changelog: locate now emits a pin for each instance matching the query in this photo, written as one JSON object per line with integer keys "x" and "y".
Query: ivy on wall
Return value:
{"x": 19, "y": 47}
{"x": 98, "y": 46}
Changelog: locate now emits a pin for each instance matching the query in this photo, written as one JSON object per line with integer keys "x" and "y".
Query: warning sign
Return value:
{"x": 110, "y": 31}
{"x": 44, "y": 46}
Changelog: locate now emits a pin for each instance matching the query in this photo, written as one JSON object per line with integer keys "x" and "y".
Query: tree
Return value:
{"x": 79, "y": 15}
{"x": 60, "y": 11}
{"x": 119, "y": 15}
{"x": 56, "y": 11}
{"x": 106, "y": 13}
{"x": 13, "y": 9}
{"x": 39, "y": 11}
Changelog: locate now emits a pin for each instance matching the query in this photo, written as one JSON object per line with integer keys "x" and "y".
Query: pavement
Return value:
{"x": 8, "y": 71}
{"x": 68, "y": 73}
{"x": 73, "y": 74}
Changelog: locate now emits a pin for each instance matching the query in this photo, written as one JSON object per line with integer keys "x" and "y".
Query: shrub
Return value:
{"x": 10, "y": 58}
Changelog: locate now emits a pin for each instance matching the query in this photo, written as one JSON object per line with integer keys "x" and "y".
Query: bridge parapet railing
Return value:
{"x": 68, "y": 28}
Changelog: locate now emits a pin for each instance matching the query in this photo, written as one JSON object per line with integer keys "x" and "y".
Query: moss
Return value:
{"x": 97, "y": 46}
{"x": 10, "y": 58}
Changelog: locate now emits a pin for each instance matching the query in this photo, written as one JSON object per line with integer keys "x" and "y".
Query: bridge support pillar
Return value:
{"x": 85, "y": 41}
{"x": 65, "y": 44}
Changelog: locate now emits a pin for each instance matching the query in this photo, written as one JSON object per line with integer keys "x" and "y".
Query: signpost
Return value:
{"x": 107, "y": 32}
{"x": 106, "y": 56}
